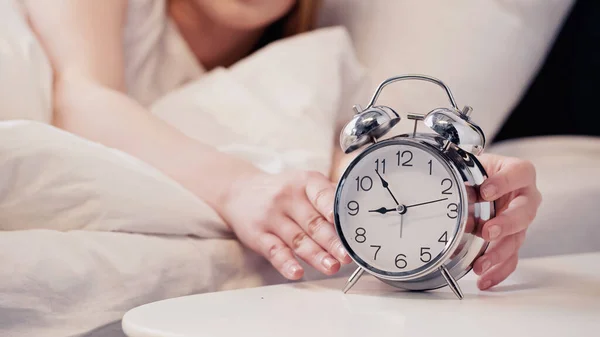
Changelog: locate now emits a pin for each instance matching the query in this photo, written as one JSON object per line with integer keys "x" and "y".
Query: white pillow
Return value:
{"x": 487, "y": 52}
{"x": 278, "y": 108}
{"x": 51, "y": 179}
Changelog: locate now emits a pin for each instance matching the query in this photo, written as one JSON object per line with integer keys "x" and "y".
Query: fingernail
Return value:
{"x": 330, "y": 217}
{"x": 489, "y": 191}
{"x": 485, "y": 266}
{"x": 329, "y": 262}
{"x": 293, "y": 269}
{"x": 342, "y": 252}
{"x": 486, "y": 284}
{"x": 493, "y": 232}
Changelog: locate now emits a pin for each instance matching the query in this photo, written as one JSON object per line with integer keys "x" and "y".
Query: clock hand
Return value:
{"x": 383, "y": 210}
{"x": 386, "y": 186}
{"x": 401, "y": 223}
{"x": 425, "y": 203}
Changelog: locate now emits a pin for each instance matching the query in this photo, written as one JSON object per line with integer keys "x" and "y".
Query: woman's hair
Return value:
{"x": 301, "y": 18}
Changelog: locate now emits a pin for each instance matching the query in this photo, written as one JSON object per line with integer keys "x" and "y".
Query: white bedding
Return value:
{"x": 90, "y": 232}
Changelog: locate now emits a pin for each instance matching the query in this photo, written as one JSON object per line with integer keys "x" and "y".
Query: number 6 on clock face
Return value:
{"x": 399, "y": 208}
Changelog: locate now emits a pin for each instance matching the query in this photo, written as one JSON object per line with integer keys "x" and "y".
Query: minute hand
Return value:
{"x": 427, "y": 202}
{"x": 386, "y": 186}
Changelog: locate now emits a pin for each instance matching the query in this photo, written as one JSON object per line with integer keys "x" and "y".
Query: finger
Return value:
{"x": 321, "y": 231}
{"x": 307, "y": 249}
{"x": 513, "y": 175}
{"x": 470, "y": 226}
{"x": 321, "y": 194}
{"x": 519, "y": 214}
{"x": 472, "y": 198}
{"x": 499, "y": 252}
{"x": 498, "y": 273}
{"x": 280, "y": 256}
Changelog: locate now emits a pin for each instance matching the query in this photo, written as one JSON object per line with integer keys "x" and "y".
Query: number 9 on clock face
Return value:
{"x": 399, "y": 208}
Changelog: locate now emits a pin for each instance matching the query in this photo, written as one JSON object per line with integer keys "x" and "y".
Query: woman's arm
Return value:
{"x": 281, "y": 216}
{"x": 83, "y": 39}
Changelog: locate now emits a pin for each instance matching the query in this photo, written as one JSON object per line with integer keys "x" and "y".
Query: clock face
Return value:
{"x": 398, "y": 208}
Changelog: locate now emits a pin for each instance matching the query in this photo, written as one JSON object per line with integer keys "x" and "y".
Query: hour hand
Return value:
{"x": 383, "y": 210}
{"x": 383, "y": 182}
{"x": 386, "y": 186}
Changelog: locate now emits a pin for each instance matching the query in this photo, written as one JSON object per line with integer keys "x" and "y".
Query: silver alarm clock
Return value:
{"x": 407, "y": 208}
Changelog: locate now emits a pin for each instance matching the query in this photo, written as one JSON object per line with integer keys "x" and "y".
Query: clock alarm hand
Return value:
{"x": 386, "y": 186}
{"x": 383, "y": 210}
{"x": 425, "y": 203}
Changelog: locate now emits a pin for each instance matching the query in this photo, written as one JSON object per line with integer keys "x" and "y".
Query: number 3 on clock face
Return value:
{"x": 399, "y": 207}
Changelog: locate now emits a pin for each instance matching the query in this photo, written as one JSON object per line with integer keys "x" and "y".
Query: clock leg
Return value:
{"x": 353, "y": 279}
{"x": 451, "y": 282}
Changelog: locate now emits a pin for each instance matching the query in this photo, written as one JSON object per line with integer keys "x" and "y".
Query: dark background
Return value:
{"x": 563, "y": 99}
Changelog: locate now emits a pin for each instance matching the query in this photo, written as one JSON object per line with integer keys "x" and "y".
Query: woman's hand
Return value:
{"x": 512, "y": 185}
{"x": 283, "y": 215}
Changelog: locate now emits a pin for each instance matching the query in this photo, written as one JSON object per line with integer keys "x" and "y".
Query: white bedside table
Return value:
{"x": 556, "y": 296}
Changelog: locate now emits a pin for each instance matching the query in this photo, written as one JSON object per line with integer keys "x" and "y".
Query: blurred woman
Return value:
{"x": 280, "y": 216}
